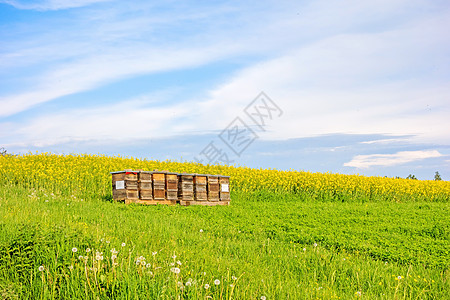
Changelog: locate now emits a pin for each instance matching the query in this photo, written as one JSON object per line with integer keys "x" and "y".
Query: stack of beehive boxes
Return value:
{"x": 145, "y": 185}
{"x": 200, "y": 191}
{"x": 125, "y": 185}
{"x": 186, "y": 187}
{"x": 162, "y": 187}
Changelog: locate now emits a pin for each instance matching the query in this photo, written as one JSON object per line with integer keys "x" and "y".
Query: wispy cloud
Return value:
{"x": 43, "y": 5}
{"x": 386, "y": 160}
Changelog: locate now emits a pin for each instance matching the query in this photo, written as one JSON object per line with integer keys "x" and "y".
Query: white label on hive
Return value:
{"x": 225, "y": 187}
{"x": 120, "y": 185}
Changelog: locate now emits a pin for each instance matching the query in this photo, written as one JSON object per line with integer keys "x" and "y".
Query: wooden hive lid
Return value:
{"x": 164, "y": 172}
{"x": 125, "y": 171}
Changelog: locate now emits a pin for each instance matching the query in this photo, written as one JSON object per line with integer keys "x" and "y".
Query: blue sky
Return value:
{"x": 355, "y": 86}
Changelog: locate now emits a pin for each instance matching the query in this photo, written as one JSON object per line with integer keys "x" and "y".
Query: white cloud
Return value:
{"x": 94, "y": 71}
{"x": 134, "y": 119}
{"x": 43, "y": 5}
{"x": 387, "y": 160}
{"x": 388, "y": 141}
{"x": 372, "y": 83}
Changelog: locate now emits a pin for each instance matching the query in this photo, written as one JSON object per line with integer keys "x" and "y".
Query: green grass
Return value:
{"x": 262, "y": 245}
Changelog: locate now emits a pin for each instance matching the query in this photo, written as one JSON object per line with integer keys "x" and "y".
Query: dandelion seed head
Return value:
{"x": 123, "y": 244}
{"x": 74, "y": 250}
{"x": 41, "y": 268}
{"x": 217, "y": 282}
{"x": 206, "y": 286}
{"x": 175, "y": 270}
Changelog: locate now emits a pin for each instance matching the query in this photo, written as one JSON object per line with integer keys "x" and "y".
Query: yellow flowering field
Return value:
{"x": 88, "y": 176}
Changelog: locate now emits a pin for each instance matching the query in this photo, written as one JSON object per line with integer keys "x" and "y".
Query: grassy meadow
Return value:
{"x": 286, "y": 235}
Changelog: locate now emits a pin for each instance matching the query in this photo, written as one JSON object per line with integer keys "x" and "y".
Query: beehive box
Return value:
{"x": 213, "y": 188}
{"x": 125, "y": 185}
{"x": 200, "y": 191}
{"x": 146, "y": 185}
{"x": 224, "y": 193}
{"x": 185, "y": 187}
{"x": 172, "y": 186}
{"x": 159, "y": 185}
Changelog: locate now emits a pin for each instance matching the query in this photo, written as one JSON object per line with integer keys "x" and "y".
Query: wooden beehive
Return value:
{"x": 172, "y": 186}
{"x": 125, "y": 185}
{"x": 185, "y": 187}
{"x": 159, "y": 185}
{"x": 163, "y": 187}
{"x": 145, "y": 185}
{"x": 200, "y": 191}
{"x": 213, "y": 188}
{"x": 224, "y": 193}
